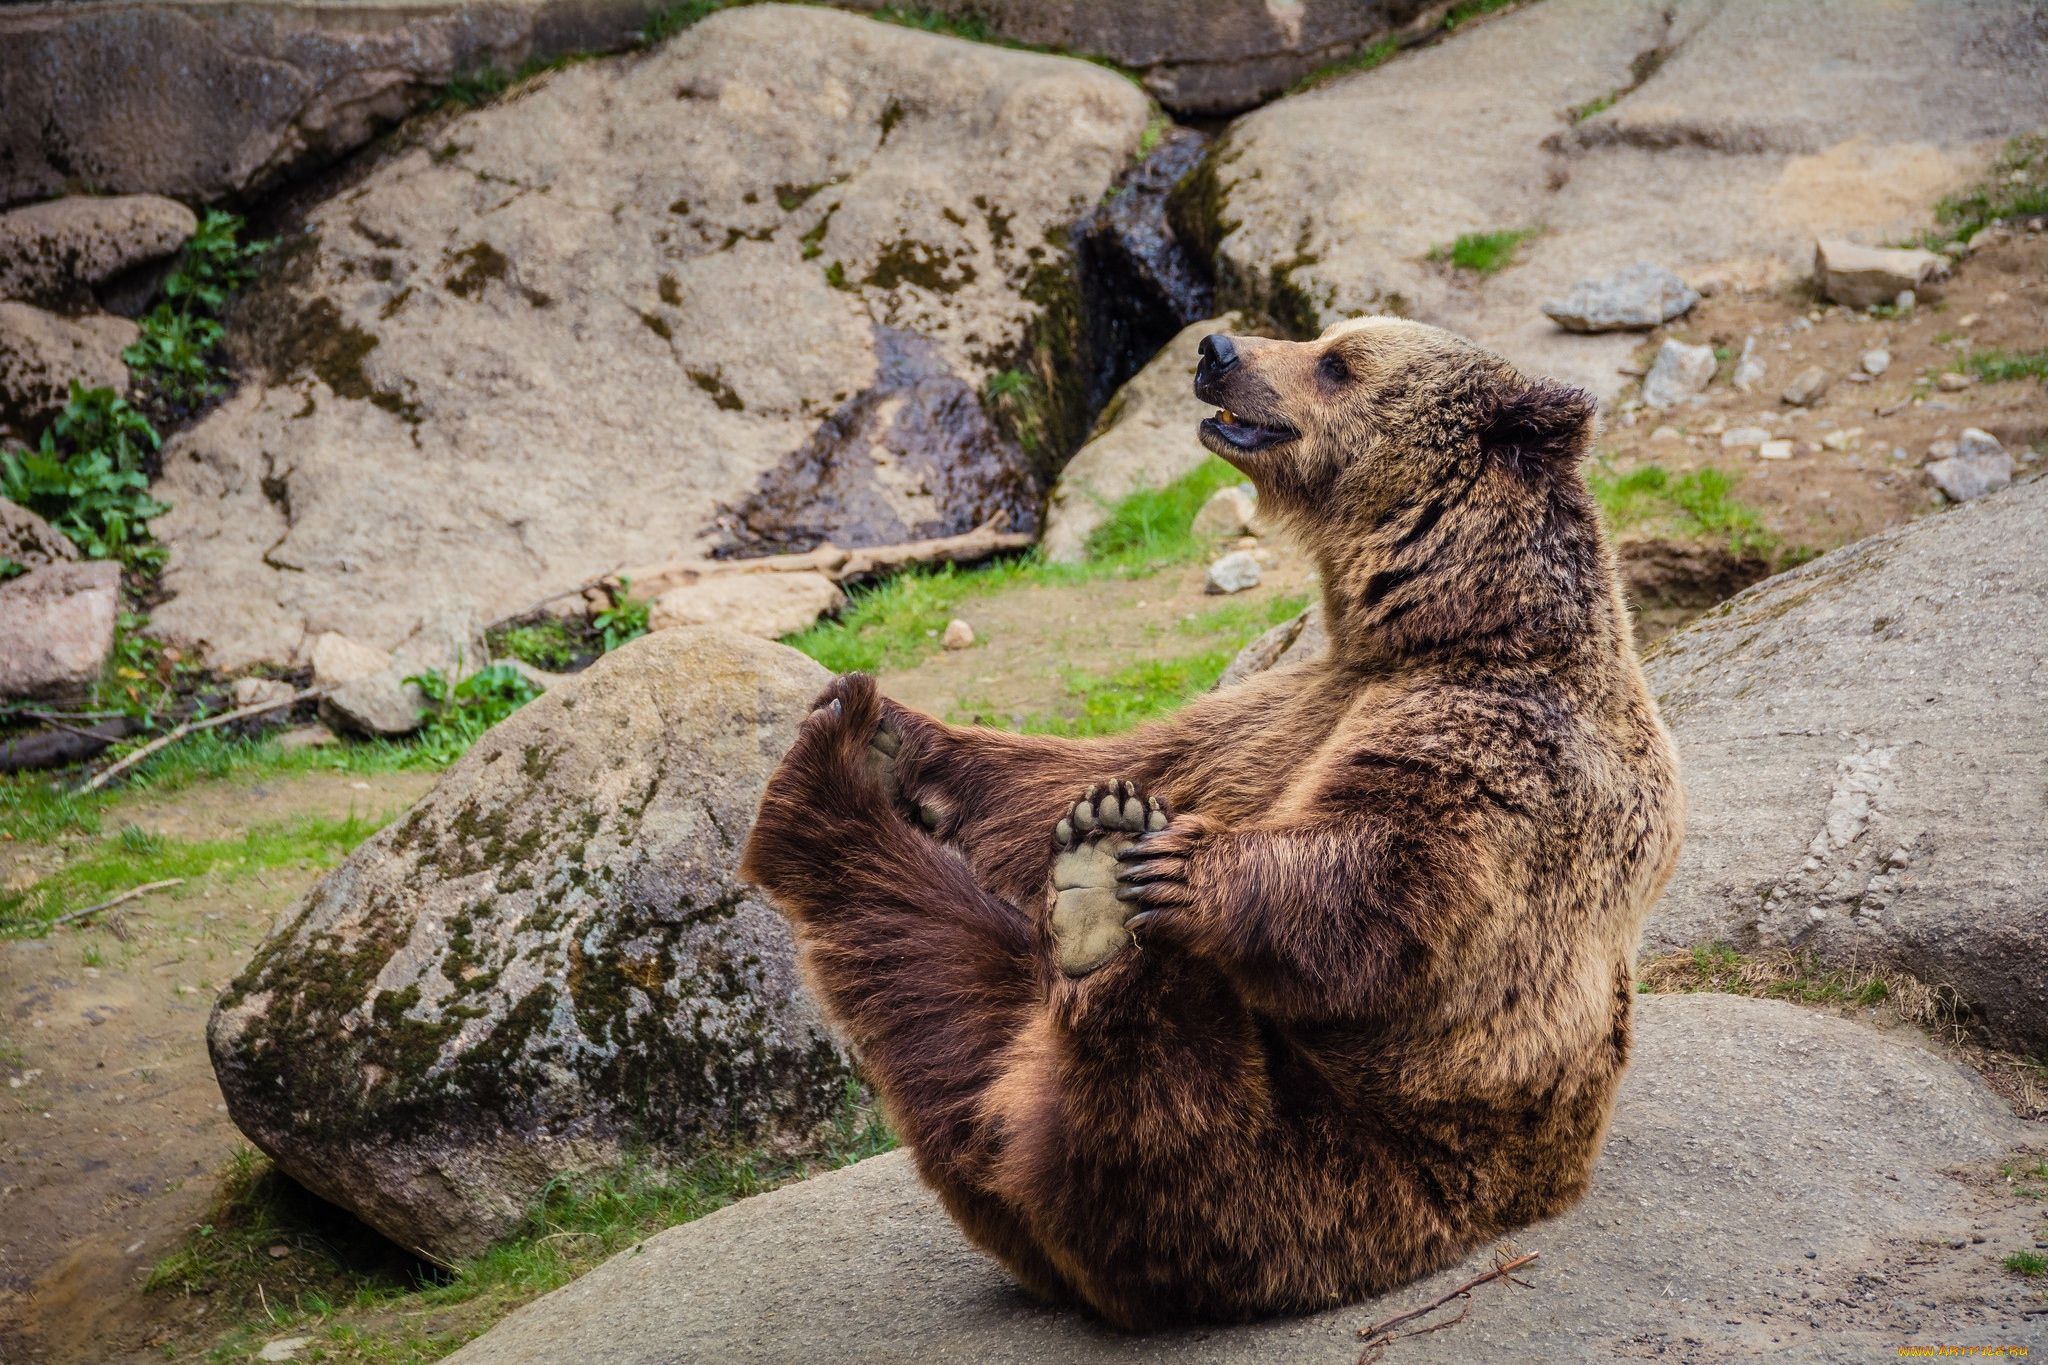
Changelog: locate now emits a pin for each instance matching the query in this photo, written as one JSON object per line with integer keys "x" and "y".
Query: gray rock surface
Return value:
{"x": 207, "y": 100}
{"x": 1748, "y": 1137}
{"x": 1963, "y": 477}
{"x": 43, "y": 354}
{"x": 549, "y": 960}
{"x": 449, "y": 640}
{"x": 1866, "y": 764}
{"x": 1859, "y": 276}
{"x": 1145, "y": 438}
{"x": 1760, "y": 126}
{"x": 1634, "y": 299}
{"x": 1232, "y": 511}
{"x": 769, "y": 605}
{"x": 598, "y": 324}
{"x": 57, "y": 627}
{"x": 30, "y": 541}
{"x": 54, "y": 253}
{"x": 1678, "y": 373}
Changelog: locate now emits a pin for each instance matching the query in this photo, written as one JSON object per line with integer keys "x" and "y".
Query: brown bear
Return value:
{"x": 1310, "y": 989}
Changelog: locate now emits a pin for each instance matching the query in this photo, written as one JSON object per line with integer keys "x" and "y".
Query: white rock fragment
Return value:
{"x": 959, "y": 635}
{"x": 1665, "y": 433}
{"x": 1234, "y": 572}
{"x": 1808, "y": 386}
{"x": 1876, "y": 362}
{"x": 1739, "y": 438}
{"x": 1775, "y": 450}
{"x": 1977, "y": 441}
{"x": 1679, "y": 373}
{"x": 1963, "y": 477}
{"x": 255, "y": 691}
{"x": 1843, "y": 438}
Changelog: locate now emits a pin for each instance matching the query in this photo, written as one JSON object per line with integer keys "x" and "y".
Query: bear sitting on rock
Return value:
{"x": 1308, "y": 990}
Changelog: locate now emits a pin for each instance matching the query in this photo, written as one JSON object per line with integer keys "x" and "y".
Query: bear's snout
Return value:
{"x": 1218, "y": 358}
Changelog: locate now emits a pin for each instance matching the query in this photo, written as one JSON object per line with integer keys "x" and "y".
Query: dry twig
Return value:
{"x": 652, "y": 580}
{"x": 193, "y": 727}
{"x": 1380, "y": 1333}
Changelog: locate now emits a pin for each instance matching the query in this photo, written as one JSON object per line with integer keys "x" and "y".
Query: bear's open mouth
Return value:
{"x": 1240, "y": 435}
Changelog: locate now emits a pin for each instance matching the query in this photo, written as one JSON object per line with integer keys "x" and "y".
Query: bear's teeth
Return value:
{"x": 1227, "y": 417}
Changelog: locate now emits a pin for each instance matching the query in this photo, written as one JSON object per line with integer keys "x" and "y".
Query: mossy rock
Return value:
{"x": 549, "y": 960}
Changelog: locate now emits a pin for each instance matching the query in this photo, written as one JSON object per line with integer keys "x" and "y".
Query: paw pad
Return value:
{"x": 1110, "y": 808}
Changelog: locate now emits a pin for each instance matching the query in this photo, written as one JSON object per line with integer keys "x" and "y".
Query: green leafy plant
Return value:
{"x": 1483, "y": 253}
{"x": 545, "y": 644}
{"x": 213, "y": 265}
{"x": 175, "y": 353}
{"x": 87, "y": 478}
{"x": 457, "y": 716}
{"x": 625, "y": 619}
{"x": 2027, "y": 1263}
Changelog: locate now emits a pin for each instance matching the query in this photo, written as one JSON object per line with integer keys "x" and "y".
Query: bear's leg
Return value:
{"x": 930, "y": 976}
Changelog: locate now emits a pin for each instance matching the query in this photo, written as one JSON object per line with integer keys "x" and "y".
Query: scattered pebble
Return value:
{"x": 1736, "y": 437}
{"x": 1775, "y": 450}
{"x": 959, "y": 635}
{"x": 1977, "y": 441}
{"x": 1842, "y": 438}
{"x": 1963, "y": 477}
{"x": 1876, "y": 362}
{"x": 1749, "y": 371}
{"x": 1680, "y": 372}
{"x": 1954, "y": 381}
{"x": 1969, "y": 320}
{"x": 1234, "y": 572}
{"x": 284, "y": 1348}
{"x": 1664, "y": 433}
{"x": 1808, "y": 386}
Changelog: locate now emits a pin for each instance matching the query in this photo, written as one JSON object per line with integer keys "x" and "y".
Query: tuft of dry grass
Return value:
{"x": 1892, "y": 995}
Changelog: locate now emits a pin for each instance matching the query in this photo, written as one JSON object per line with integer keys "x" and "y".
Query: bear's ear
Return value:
{"x": 1536, "y": 425}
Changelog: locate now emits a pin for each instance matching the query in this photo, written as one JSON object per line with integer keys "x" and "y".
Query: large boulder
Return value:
{"x": 57, "y": 627}
{"x": 1145, "y": 438}
{"x": 548, "y": 962}
{"x": 55, "y": 253}
{"x": 42, "y": 355}
{"x": 211, "y": 101}
{"x": 1866, "y": 762}
{"x": 741, "y": 292}
{"x": 1776, "y": 1183}
{"x": 1694, "y": 134}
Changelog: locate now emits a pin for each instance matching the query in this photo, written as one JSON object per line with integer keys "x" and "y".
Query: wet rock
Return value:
{"x": 337, "y": 659}
{"x": 1144, "y": 284}
{"x": 1145, "y": 438}
{"x": 1963, "y": 477}
{"x": 57, "y": 627}
{"x": 1234, "y": 572}
{"x": 1766, "y": 1133}
{"x": 1232, "y": 511}
{"x": 766, "y": 605}
{"x": 959, "y": 635}
{"x": 1808, "y": 386}
{"x": 207, "y": 102}
{"x": 1735, "y": 133}
{"x": 29, "y": 541}
{"x": 827, "y": 296}
{"x": 1679, "y": 372}
{"x": 42, "y": 355}
{"x": 1859, "y": 276}
{"x": 548, "y": 963}
{"x": 1865, "y": 763}
{"x": 1635, "y": 299}
{"x": 55, "y": 253}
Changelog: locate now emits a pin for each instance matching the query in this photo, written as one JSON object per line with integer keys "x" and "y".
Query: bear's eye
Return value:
{"x": 1334, "y": 370}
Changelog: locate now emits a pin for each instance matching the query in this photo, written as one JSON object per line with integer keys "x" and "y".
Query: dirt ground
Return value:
{"x": 112, "y": 1128}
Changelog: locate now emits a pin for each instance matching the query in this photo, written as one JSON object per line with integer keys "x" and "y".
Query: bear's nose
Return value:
{"x": 1219, "y": 357}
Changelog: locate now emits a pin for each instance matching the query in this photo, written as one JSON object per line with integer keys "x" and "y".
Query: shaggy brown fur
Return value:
{"x": 1377, "y": 1000}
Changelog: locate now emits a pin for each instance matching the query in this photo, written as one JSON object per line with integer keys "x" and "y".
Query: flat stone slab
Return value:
{"x": 1766, "y": 1167}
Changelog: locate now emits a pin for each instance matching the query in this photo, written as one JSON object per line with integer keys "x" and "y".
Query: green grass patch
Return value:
{"x": 1473, "y": 9}
{"x": 896, "y": 623}
{"x": 1698, "y": 502}
{"x": 1998, "y": 195}
{"x": 1581, "y": 112}
{"x": 134, "y": 856}
{"x": 2001, "y": 366}
{"x": 1802, "y": 978}
{"x": 361, "y": 1298}
{"x": 2029, "y": 1263}
{"x": 1483, "y": 253}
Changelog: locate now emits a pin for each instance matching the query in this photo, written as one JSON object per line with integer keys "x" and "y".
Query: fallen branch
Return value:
{"x": 129, "y": 895}
{"x": 1381, "y": 1329}
{"x": 652, "y": 580}
{"x": 193, "y": 727}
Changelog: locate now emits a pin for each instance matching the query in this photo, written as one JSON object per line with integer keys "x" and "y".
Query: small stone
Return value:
{"x": 1842, "y": 438}
{"x": 1808, "y": 386}
{"x": 1635, "y": 299}
{"x": 1977, "y": 441}
{"x": 1749, "y": 371}
{"x": 338, "y": 660}
{"x": 1737, "y": 438}
{"x": 1969, "y": 320}
{"x": 1228, "y": 512}
{"x": 959, "y": 635}
{"x": 1963, "y": 477}
{"x": 312, "y": 736}
{"x": 381, "y": 704}
{"x": 1942, "y": 450}
{"x": 1680, "y": 372}
{"x": 1666, "y": 433}
{"x": 57, "y": 627}
{"x": 1775, "y": 450}
{"x": 1234, "y": 572}
{"x": 1904, "y": 301}
{"x": 284, "y": 1348}
{"x": 1858, "y": 276}
{"x": 1954, "y": 381}
{"x": 1876, "y": 362}
{"x": 278, "y": 1251}
{"x": 255, "y": 691}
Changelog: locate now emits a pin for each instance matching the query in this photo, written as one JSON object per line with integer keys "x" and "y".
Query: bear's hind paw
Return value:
{"x": 1087, "y": 917}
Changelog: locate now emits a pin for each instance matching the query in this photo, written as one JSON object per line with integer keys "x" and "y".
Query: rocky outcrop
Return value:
{"x": 210, "y": 101}
{"x": 740, "y": 293}
{"x": 1865, "y": 762}
{"x": 55, "y": 253}
{"x": 1775, "y": 1182}
{"x": 29, "y": 541}
{"x": 1145, "y": 438}
{"x": 549, "y": 960}
{"x": 42, "y": 355}
{"x": 57, "y": 627}
{"x": 1696, "y": 135}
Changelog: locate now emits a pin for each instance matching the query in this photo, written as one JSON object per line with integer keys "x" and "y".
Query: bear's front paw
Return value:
{"x": 1153, "y": 874}
{"x": 1087, "y": 917}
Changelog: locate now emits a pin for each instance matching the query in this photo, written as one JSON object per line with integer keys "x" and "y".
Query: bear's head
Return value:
{"x": 1438, "y": 488}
